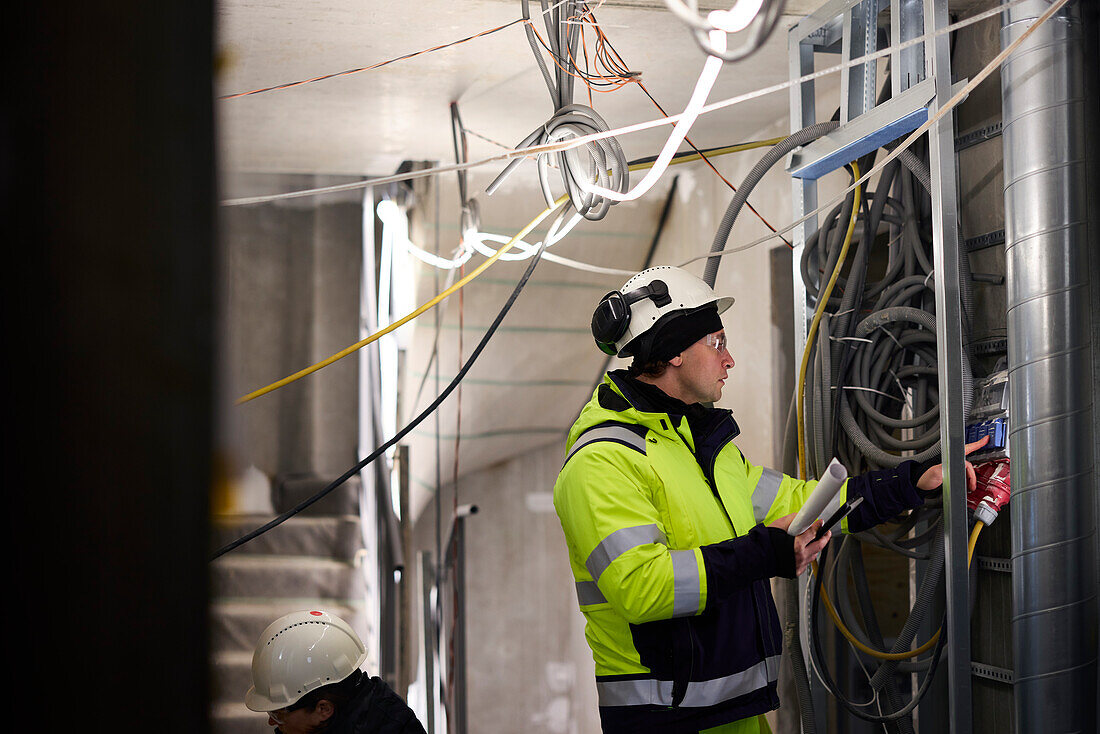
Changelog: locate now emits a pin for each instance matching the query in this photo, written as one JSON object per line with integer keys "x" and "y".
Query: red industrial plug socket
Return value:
{"x": 992, "y": 491}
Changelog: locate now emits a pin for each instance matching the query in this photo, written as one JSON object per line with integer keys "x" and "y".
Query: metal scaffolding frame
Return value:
{"x": 920, "y": 78}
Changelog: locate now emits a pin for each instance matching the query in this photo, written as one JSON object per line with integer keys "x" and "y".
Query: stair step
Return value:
{"x": 227, "y": 717}
{"x": 236, "y": 624}
{"x": 230, "y": 675}
{"x": 336, "y": 536}
{"x": 287, "y": 492}
{"x": 275, "y": 577}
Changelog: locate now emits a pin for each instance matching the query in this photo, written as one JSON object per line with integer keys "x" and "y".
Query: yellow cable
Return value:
{"x": 978, "y": 525}
{"x": 712, "y": 153}
{"x": 404, "y": 320}
{"x": 822, "y": 301}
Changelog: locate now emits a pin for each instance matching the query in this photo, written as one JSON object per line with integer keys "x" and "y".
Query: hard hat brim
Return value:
{"x": 258, "y": 703}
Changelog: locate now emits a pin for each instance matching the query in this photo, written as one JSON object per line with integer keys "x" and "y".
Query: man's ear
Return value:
{"x": 676, "y": 361}
{"x": 325, "y": 709}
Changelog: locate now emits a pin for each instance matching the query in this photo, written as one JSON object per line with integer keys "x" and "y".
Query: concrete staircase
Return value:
{"x": 308, "y": 562}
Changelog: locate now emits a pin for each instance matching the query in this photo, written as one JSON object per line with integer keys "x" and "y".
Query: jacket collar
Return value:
{"x": 650, "y": 400}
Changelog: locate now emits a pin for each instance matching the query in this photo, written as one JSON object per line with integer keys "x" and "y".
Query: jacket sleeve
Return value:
{"x": 617, "y": 541}
{"x": 773, "y": 494}
{"x": 886, "y": 493}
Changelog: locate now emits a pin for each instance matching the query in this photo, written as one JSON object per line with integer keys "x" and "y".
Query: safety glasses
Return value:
{"x": 717, "y": 342}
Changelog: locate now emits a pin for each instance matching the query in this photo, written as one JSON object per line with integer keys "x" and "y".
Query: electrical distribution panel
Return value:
{"x": 989, "y": 417}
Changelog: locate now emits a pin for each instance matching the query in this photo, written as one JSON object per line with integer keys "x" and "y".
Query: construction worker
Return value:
{"x": 306, "y": 678}
{"x": 673, "y": 534}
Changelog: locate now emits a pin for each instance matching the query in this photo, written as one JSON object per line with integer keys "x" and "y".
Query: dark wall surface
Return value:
{"x": 107, "y": 179}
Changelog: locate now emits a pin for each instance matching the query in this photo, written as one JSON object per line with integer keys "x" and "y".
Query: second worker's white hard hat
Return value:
{"x": 298, "y": 653}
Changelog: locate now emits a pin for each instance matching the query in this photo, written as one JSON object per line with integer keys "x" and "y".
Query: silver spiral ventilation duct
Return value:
{"x": 1047, "y": 114}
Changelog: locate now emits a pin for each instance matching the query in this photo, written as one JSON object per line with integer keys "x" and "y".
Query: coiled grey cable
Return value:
{"x": 773, "y": 156}
{"x": 601, "y": 162}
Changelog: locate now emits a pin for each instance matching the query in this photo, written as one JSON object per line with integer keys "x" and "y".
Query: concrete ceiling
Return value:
{"x": 367, "y": 123}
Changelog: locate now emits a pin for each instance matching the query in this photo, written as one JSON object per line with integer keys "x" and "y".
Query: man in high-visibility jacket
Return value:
{"x": 673, "y": 534}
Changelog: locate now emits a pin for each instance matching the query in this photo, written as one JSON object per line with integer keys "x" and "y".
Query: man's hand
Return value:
{"x": 806, "y": 549}
{"x": 933, "y": 478}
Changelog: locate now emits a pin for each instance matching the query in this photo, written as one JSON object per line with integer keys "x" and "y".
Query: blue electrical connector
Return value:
{"x": 995, "y": 428}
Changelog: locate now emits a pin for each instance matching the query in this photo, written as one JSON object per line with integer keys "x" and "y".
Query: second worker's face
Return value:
{"x": 704, "y": 368}
{"x": 298, "y": 721}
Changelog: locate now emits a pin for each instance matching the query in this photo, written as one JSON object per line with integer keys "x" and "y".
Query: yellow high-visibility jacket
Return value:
{"x": 671, "y": 555}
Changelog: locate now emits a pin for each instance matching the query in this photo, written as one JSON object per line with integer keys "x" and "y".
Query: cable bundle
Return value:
{"x": 870, "y": 392}
{"x": 601, "y": 162}
{"x": 872, "y": 401}
{"x": 872, "y": 395}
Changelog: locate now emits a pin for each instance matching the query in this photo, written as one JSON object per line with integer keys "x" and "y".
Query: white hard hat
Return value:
{"x": 299, "y": 653}
{"x": 624, "y": 315}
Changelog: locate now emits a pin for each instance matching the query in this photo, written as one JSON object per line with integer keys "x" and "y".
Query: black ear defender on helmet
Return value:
{"x": 612, "y": 315}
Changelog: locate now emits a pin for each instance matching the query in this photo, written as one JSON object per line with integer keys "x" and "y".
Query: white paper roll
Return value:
{"x": 824, "y": 493}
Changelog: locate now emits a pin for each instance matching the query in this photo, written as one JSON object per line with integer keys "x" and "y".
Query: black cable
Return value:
{"x": 458, "y": 137}
{"x": 471, "y": 214}
{"x": 831, "y": 686}
{"x": 404, "y": 431}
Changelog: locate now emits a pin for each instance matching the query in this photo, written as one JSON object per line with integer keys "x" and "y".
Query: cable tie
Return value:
{"x": 866, "y": 389}
{"x": 892, "y": 337}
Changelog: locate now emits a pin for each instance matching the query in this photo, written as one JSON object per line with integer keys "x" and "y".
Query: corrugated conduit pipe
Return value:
{"x": 1048, "y": 114}
{"x": 806, "y": 135}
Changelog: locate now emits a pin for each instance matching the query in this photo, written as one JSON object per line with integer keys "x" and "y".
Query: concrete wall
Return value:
{"x": 290, "y": 295}
{"x": 529, "y": 668}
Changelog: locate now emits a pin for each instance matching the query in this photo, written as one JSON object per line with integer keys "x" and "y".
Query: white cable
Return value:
{"x": 436, "y": 261}
{"x": 586, "y": 267}
{"x": 476, "y": 241}
{"x": 736, "y": 18}
{"x": 687, "y": 118}
{"x": 553, "y": 236}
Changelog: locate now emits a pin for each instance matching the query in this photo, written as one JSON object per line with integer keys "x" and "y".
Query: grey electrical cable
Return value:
{"x": 792, "y": 639}
{"x": 923, "y": 602}
{"x": 816, "y": 656}
{"x": 602, "y": 161}
{"x": 773, "y": 156}
{"x": 871, "y": 368}
{"x": 901, "y": 725}
{"x": 793, "y": 643}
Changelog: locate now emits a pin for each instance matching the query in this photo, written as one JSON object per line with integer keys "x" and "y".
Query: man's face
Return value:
{"x": 298, "y": 721}
{"x": 704, "y": 367}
